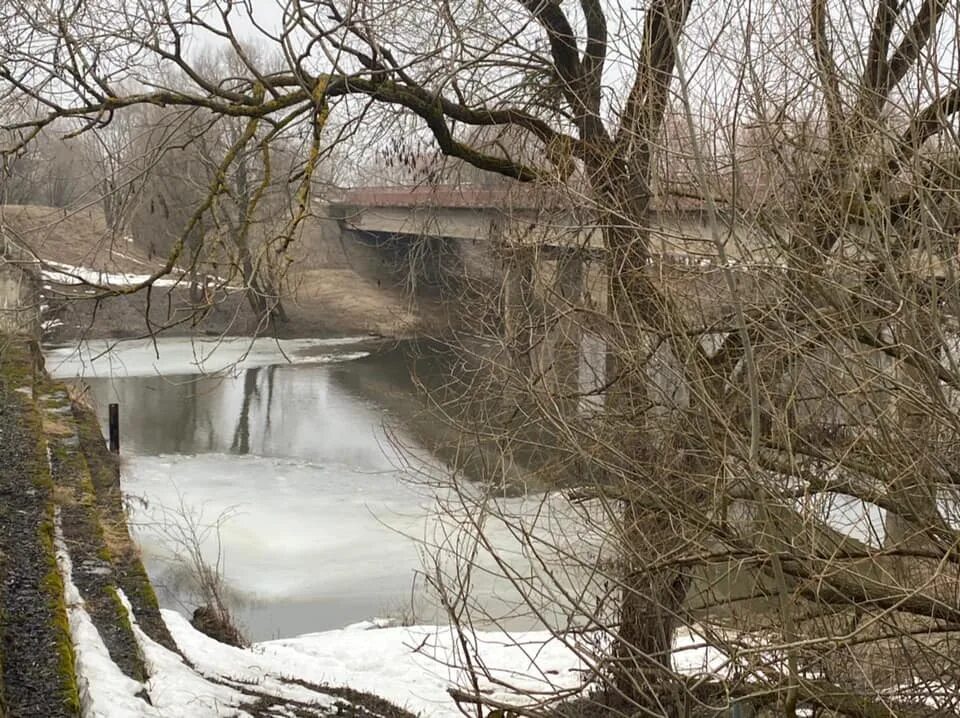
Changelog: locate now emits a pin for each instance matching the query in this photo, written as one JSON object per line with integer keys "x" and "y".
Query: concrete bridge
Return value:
{"x": 537, "y": 254}
{"x": 534, "y": 254}
{"x": 553, "y": 223}
{"x": 459, "y": 212}
{"x": 450, "y": 233}
{"x": 431, "y": 237}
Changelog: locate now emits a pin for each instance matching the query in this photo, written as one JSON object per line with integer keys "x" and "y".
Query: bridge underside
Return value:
{"x": 423, "y": 264}
{"x": 435, "y": 262}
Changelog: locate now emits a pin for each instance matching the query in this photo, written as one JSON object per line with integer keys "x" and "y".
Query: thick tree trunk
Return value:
{"x": 651, "y": 600}
{"x": 651, "y": 605}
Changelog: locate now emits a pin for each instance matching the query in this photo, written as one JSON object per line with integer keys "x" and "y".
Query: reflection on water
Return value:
{"x": 283, "y": 411}
{"x": 321, "y": 514}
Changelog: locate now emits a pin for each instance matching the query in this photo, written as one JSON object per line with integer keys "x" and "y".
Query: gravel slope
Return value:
{"x": 36, "y": 651}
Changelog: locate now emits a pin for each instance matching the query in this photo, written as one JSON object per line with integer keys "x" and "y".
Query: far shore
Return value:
{"x": 328, "y": 304}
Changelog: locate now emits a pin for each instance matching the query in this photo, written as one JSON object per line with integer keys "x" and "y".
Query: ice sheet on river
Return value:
{"x": 178, "y": 356}
{"x": 324, "y": 545}
{"x": 304, "y": 544}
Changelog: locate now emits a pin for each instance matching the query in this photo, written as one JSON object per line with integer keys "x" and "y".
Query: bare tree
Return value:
{"x": 112, "y": 151}
{"x": 49, "y": 172}
{"x": 773, "y": 425}
{"x": 253, "y": 188}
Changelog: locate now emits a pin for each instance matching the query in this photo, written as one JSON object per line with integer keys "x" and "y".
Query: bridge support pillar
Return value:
{"x": 565, "y": 334}
{"x": 543, "y": 295}
{"x": 518, "y": 310}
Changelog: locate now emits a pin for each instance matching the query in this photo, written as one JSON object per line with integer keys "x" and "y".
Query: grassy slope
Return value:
{"x": 76, "y": 237}
{"x": 326, "y": 296}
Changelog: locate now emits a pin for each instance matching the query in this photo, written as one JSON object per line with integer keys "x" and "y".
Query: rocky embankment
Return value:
{"x": 79, "y": 621}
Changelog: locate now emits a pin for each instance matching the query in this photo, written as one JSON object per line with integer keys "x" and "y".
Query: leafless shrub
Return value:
{"x": 190, "y": 540}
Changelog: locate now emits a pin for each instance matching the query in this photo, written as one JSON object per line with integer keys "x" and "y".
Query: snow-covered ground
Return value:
{"x": 69, "y": 274}
{"x": 412, "y": 667}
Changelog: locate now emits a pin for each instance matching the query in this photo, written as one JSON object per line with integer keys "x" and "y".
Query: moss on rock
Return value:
{"x": 60, "y": 623}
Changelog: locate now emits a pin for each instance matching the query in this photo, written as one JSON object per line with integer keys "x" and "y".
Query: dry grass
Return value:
{"x": 79, "y": 393}
{"x": 65, "y": 495}
{"x": 116, "y": 537}
{"x": 352, "y": 300}
{"x": 54, "y": 426}
{"x": 77, "y": 237}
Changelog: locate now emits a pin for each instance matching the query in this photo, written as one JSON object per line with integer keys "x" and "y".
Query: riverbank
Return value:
{"x": 59, "y": 485}
{"x": 321, "y": 303}
{"x": 324, "y": 293}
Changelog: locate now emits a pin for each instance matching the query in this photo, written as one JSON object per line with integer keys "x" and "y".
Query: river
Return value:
{"x": 281, "y": 458}
{"x": 263, "y": 438}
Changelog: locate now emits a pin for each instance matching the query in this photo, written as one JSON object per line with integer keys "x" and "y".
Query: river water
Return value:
{"x": 282, "y": 466}
{"x": 280, "y": 460}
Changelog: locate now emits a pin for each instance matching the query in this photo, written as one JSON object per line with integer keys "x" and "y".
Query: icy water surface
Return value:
{"x": 316, "y": 514}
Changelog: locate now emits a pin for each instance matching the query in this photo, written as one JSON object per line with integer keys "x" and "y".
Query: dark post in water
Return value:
{"x": 115, "y": 428}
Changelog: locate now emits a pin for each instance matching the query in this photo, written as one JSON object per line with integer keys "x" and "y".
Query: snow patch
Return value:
{"x": 69, "y": 274}
{"x": 240, "y": 666}
{"x": 412, "y": 667}
{"x": 174, "y": 688}
{"x": 372, "y": 624}
{"x": 105, "y": 691}
{"x": 128, "y": 257}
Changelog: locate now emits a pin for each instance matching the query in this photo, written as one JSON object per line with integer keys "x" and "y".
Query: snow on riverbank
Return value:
{"x": 69, "y": 274}
{"x": 411, "y": 667}
{"x": 103, "y": 687}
